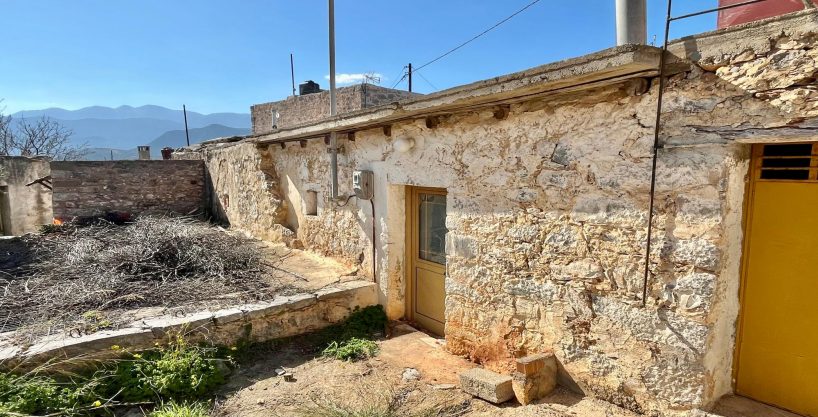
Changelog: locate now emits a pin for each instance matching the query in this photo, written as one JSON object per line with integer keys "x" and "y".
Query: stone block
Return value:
{"x": 536, "y": 377}
{"x": 228, "y": 315}
{"x": 487, "y": 385}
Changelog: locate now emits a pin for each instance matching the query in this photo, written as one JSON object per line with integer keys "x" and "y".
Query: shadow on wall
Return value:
{"x": 217, "y": 214}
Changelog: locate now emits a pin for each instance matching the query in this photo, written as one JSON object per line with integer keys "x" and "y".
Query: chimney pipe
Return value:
{"x": 631, "y": 22}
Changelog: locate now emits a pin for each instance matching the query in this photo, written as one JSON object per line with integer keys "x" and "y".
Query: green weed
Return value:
{"x": 364, "y": 323}
{"x": 174, "y": 409}
{"x": 94, "y": 320}
{"x": 174, "y": 371}
{"x": 31, "y": 393}
{"x": 351, "y": 350}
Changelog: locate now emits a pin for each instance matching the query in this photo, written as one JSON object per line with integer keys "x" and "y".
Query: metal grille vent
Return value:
{"x": 787, "y": 162}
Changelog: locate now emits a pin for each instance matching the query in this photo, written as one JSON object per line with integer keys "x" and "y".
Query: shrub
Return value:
{"x": 175, "y": 371}
{"x": 351, "y": 350}
{"x": 173, "y": 409}
{"x": 33, "y": 394}
{"x": 364, "y": 323}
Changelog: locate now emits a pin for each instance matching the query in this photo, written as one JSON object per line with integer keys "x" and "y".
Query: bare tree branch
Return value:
{"x": 42, "y": 136}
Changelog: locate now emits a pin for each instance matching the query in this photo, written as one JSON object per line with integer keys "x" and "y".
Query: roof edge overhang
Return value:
{"x": 610, "y": 66}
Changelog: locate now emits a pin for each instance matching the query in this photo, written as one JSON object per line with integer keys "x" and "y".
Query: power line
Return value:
{"x": 427, "y": 81}
{"x": 403, "y": 71}
{"x": 475, "y": 37}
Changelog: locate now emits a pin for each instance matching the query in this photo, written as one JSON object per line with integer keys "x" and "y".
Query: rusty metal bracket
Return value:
{"x": 44, "y": 181}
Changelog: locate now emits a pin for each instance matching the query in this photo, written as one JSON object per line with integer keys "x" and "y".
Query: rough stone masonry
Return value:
{"x": 95, "y": 188}
{"x": 547, "y": 211}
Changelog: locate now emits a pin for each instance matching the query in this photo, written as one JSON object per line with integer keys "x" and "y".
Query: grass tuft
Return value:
{"x": 351, "y": 350}
{"x": 174, "y": 409}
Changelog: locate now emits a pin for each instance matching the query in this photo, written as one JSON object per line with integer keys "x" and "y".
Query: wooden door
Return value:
{"x": 426, "y": 257}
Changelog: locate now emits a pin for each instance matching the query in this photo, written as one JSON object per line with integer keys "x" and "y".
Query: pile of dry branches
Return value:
{"x": 156, "y": 261}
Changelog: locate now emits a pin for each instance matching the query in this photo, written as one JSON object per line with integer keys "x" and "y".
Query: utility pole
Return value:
{"x": 292, "y": 72}
{"x": 333, "y": 140}
{"x": 410, "y": 77}
{"x": 187, "y": 135}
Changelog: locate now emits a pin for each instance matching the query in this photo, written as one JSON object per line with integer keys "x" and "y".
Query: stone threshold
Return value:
{"x": 257, "y": 322}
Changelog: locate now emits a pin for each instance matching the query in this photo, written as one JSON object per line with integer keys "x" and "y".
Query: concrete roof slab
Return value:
{"x": 609, "y": 66}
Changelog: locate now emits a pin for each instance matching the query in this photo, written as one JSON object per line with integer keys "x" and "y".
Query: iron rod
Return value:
{"x": 656, "y": 130}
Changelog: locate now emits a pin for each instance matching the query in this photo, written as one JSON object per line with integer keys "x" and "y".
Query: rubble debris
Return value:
{"x": 487, "y": 385}
{"x": 536, "y": 377}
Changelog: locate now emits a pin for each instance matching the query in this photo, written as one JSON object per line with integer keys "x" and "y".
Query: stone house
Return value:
{"x": 510, "y": 215}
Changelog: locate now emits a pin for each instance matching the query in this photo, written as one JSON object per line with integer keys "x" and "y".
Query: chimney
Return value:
{"x": 144, "y": 153}
{"x": 631, "y": 22}
{"x": 309, "y": 87}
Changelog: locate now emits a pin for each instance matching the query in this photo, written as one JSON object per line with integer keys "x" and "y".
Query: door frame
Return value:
{"x": 411, "y": 241}
{"x": 747, "y": 217}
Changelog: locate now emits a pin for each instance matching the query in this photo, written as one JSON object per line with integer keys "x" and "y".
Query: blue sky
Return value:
{"x": 220, "y": 56}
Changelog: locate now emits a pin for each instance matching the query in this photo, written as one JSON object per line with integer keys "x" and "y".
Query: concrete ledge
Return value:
{"x": 282, "y": 317}
{"x": 605, "y": 67}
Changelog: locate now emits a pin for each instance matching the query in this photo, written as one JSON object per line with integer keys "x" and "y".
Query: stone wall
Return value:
{"x": 96, "y": 188}
{"x": 259, "y": 322}
{"x": 243, "y": 188}
{"x": 547, "y": 213}
{"x": 23, "y": 208}
{"x": 296, "y": 110}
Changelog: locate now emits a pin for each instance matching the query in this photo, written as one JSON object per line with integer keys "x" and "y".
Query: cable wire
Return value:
{"x": 402, "y": 71}
{"x": 427, "y": 81}
{"x": 414, "y": 70}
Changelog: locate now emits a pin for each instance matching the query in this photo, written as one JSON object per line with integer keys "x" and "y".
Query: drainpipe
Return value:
{"x": 631, "y": 22}
{"x": 333, "y": 139}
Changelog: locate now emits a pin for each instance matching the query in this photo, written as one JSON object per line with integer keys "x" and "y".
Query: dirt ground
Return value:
{"x": 412, "y": 373}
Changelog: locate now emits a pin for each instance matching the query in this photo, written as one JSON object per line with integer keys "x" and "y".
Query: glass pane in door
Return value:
{"x": 432, "y": 224}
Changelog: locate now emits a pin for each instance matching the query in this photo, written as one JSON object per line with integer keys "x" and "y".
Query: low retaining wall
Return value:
{"x": 282, "y": 317}
{"x": 96, "y": 188}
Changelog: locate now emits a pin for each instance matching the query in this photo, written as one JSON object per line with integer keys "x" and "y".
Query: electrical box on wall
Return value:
{"x": 363, "y": 183}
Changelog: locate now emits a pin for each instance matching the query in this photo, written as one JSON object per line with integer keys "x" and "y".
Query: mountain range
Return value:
{"x": 118, "y": 131}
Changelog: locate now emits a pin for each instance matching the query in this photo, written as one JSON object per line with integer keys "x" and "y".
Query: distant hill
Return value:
{"x": 124, "y": 128}
{"x": 176, "y": 138}
{"x": 173, "y": 139}
{"x": 194, "y": 119}
{"x": 117, "y": 133}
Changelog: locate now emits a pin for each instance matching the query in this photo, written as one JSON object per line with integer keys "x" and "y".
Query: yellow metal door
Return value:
{"x": 427, "y": 257}
{"x": 778, "y": 344}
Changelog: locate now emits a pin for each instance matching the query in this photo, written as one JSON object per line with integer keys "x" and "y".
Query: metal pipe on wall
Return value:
{"x": 333, "y": 139}
{"x": 631, "y": 22}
